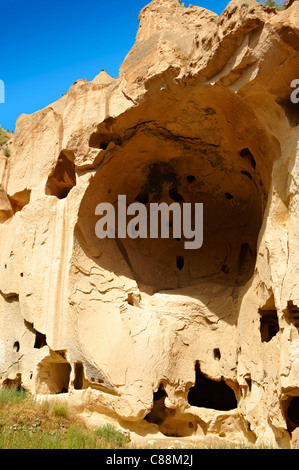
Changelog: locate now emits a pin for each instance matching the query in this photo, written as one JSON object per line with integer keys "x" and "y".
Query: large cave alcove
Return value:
{"x": 208, "y": 393}
{"x": 198, "y": 145}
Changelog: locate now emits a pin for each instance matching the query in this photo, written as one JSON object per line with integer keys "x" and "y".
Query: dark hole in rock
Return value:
{"x": 225, "y": 269}
{"x": 246, "y": 173}
{"x": 133, "y": 299}
{"x": 180, "y": 262}
{"x": 208, "y": 393}
{"x": 175, "y": 196}
{"x": 292, "y": 314}
{"x": 63, "y": 177}
{"x": 293, "y": 414}
{"x": 249, "y": 383}
{"x": 11, "y": 298}
{"x": 269, "y": 326}
{"x": 53, "y": 374}
{"x": 142, "y": 198}
{"x": 79, "y": 374}
{"x": 102, "y": 140}
{"x": 245, "y": 259}
{"x": 16, "y": 346}
{"x": 217, "y": 354}
{"x": 157, "y": 414}
{"x": 40, "y": 340}
{"x": 190, "y": 178}
{"x": 291, "y": 110}
{"x": 169, "y": 423}
{"x": 245, "y": 153}
{"x": 229, "y": 196}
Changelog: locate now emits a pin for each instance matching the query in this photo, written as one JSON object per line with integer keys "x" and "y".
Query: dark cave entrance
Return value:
{"x": 208, "y": 393}
{"x": 169, "y": 421}
{"x": 269, "y": 325}
{"x": 63, "y": 177}
{"x": 79, "y": 375}
{"x": 53, "y": 375}
{"x": 157, "y": 414}
{"x": 292, "y": 414}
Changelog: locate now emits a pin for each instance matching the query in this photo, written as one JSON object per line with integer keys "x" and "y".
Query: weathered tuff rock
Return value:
{"x": 119, "y": 327}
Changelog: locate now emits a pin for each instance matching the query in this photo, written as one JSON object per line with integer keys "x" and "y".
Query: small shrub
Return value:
{"x": 273, "y": 4}
{"x": 4, "y": 137}
{"x": 60, "y": 410}
{"x": 6, "y": 152}
{"x": 111, "y": 437}
{"x": 12, "y": 395}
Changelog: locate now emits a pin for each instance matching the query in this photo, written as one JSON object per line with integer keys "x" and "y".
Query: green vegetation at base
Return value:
{"x": 28, "y": 424}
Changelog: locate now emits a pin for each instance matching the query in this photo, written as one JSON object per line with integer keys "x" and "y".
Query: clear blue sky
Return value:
{"x": 48, "y": 45}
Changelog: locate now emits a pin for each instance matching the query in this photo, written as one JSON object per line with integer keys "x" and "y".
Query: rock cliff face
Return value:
{"x": 159, "y": 339}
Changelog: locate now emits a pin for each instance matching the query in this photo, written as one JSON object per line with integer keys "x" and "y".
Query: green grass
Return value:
{"x": 12, "y": 396}
{"x": 27, "y": 424}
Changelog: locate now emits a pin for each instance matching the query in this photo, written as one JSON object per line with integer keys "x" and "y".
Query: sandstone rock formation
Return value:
{"x": 162, "y": 340}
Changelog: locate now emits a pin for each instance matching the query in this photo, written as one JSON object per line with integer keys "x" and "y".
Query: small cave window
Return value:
{"x": 246, "y": 173}
{"x": 157, "y": 414}
{"x": 293, "y": 314}
{"x": 133, "y": 299}
{"x": 79, "y": 375}
{"x": 217, "y": 354}
{"x": 268, "y": 324}
{"x": 16, "y": 346}
{"x": 208, "y": 393}
{"x": 167, "y": 420}
{"x": 175, "y": 196}
{"x": 292, "y": 414}
{"x": 102, "y": 140}
{"x": 142, "y": 197}
{"x": 291, "y": 111}
{"x": 245, "y": 259}
{"x": 225, "y": 269}
{"x": 40, "y": 340}
{"x": 53, "y": 375}
{"x": 245, "y": 153}
{"x": 249, "y": 383}
{"x": 229, "y": 196}
{"x": 63, "y": 177}
{"x": 11, "y": 298}
{"x": 190, "y": 179}
{"x": 180, "y": 262}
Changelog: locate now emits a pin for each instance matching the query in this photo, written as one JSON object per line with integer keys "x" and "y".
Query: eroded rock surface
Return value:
{"x": 160, "y": 339}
